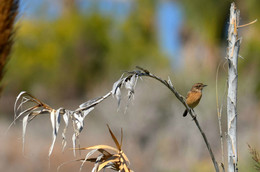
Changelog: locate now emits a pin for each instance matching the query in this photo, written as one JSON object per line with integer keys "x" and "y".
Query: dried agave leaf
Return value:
{"x": 114, "y": 138}
{"x": 116, "y": 90}
{"x": 130, "y": 83}
{"x": 92, "y": 103}
{"x": 55, "y": 121}
{"x": 66, "y": 122}
{"x": 79, "y": 119}
{"x": 59, "y": 112}
{"x": 130, "y": 86}
{"x": 125, "y": 168}
{"x": 25, "y": 122}
{"x": 121, "y": 142}
{"x": 55, "y": 125}
{"x": 104, "y": 152}
{"x": 86, "y": 157}
{"x": 98, "y": 159}
{"x": 25, "y": 98}
{"x": 108, "y": 163}
{"x": 17, "y": 99}
{"x": 98, "y": 147}
{"x": 125, "y": 157}
{"x": 74, "y": 138}
{"x": 117, "y": 161}
{"x": 20, "y": 114}
{"x": 117, "y": 84}
{"x": 118, "y": 97}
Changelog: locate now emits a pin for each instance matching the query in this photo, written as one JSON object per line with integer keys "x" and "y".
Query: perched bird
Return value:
{"x": 194, "y": 96}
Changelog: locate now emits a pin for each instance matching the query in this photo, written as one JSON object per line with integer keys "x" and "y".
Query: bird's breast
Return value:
{"x": 193, "y": 99}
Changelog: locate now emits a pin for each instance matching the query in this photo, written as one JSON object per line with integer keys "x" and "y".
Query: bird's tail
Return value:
{"x": 185, "y": 113}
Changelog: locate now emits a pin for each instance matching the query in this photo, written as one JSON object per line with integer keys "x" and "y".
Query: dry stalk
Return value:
{"x": 169, "y": 85}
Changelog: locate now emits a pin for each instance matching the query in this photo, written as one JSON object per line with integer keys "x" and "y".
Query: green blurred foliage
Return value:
{"x": 207, "y": 17}
{"x": 72, "y": 53}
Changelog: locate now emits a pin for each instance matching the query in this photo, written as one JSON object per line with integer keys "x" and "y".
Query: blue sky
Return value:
{"x": 169, "y": 20}
{"x": 169, "y": 17}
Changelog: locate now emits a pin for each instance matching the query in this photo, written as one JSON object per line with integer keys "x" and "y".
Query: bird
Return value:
{"x": 193, "y": 97}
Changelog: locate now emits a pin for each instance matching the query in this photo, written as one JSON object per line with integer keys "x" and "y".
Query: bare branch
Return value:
{"x": 169, "y": 85}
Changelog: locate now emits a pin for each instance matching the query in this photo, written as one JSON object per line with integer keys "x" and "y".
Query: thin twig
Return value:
{"x": 219, "y": 121}
{"x": 182, "y": 100}
{"x": 244, "y": 25}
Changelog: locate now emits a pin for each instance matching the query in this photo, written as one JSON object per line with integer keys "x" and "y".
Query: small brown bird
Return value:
{"x": 194, "y": 96}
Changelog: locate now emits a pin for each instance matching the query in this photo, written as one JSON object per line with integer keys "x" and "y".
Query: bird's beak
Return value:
{"x": 205, "y": 85}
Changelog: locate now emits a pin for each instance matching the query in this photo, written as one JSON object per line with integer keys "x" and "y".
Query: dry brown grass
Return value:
{"x": 8, "y": 13}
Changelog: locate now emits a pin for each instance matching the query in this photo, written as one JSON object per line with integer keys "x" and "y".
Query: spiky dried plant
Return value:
{"x": 8, "y": 13}
{"x": 255, "y": 157}
{"x": 35, "y": 107}
{"x": 116, "y": 161}
{"x": 28, "y": 107}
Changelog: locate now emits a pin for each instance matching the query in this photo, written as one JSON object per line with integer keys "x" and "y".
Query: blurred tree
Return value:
{"x": 65, "y": 52}
{"x": 251, "y": 64}
{"x": 208, "y": 18}
{"x": 135, "y": 41}
{"x": 204, "y": 32}
{"x": 69, "y": 54}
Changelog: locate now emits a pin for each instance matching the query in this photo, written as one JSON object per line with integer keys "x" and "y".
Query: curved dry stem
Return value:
{"x": 219, "y": 113}
{"x": 169, "y": 85}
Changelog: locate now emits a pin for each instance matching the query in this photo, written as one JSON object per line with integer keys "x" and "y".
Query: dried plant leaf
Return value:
{"x": 98, "y": 147}
{"x": 117, "y": 84}
{"x": 121, "y": 143}
{"x": 114, "y": 138}
{"x": 25, "y": 122}
{"x": 20, "y": 114}
{"x": 25, "y": 98}
{"x": 111, "y": 160}
{"x": 92, "y": 103}
{"x": 130, "y": 84}
{"x": 125, "y": 157}
{"x": 126, "y": 169}
{"x": 66, "y": 122}
{"x": 116, "y": 90}
{"x": 86, "y": 157}
{"x": 79, "y": 119}
{"x": 118, "y": 97}
{"x": 74, "y": 138}
{"x": 36, "y": 107}
{"x": 59, "y": 112}
{"x": 53, "y": 119}
{"x": 98, "y": 159}
{"x": 117, "y": 161}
